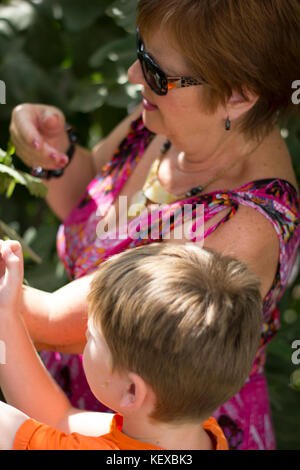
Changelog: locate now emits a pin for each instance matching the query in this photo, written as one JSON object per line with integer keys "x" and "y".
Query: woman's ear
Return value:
{"x": 239, "y": 104}
{"x": 134, "y": 394}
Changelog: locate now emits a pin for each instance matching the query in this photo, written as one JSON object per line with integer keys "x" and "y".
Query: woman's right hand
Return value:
{"x": 39, "y": 136}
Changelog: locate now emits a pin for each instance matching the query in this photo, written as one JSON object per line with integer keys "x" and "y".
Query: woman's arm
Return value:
{"x": 38, "y": 134}
{"x": 65, "y": 192}
{"x": 58, "y": 320}
{"x": 248, "y": 237}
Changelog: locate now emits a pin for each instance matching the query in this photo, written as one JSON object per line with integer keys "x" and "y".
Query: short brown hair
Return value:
{"x": 187, "y": 320}
{"x": 235, "y": 45}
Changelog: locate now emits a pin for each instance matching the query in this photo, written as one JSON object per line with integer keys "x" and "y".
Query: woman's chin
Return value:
{"x": 152, "y": 121}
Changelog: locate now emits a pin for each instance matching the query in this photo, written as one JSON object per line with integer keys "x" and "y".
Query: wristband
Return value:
{"x": 39, "y": 172}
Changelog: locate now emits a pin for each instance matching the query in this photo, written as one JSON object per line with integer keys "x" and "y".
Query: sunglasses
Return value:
{"x": 157, "y": 80}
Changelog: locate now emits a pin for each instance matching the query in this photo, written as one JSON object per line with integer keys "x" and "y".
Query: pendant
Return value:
{"x": 157, "y": 194}
{"x": 137, "y": 204}
{"x": 153, "y": 190}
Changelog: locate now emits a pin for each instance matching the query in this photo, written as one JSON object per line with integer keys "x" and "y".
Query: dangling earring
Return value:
{"x": 228, "y": 124}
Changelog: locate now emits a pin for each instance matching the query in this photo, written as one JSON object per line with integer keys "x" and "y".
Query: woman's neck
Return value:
{"x": 189, "y": 156}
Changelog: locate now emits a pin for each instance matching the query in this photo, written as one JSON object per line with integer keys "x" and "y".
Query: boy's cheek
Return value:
{"x": 84, "y": 357}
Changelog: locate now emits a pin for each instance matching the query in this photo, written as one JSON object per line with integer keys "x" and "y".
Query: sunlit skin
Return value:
{"x": 106, "y": 385}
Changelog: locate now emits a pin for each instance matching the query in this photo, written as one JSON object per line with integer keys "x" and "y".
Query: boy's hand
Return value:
{"x": 11, "y": 275}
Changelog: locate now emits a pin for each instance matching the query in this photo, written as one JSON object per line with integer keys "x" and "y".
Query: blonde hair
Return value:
{"x": 235, "y": 45}
{"x": 187, "y": 320}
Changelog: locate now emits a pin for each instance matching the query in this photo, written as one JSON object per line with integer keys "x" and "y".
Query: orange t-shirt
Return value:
{"x": 37, "y": 436}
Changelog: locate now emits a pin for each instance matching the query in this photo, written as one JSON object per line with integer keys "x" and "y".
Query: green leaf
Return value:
{"x": 6, "y": 157}
{"x": 124, "y": 13}
{"x": 123, "y": 96}
{"x": 34, "y": 185}
{"x": 18, "y": 14}
{"x": 17, "y": 175}
{"x": 10, "y": 188}
{"x": 2, "y": 155}
{"x": 8, "y": 232}
{"x": 89, "y": 98}
{"x": 4, "y": 183}
{"x": 79, "y": 15}
{"x": 119, "y": 50}
{"x": 10, "y": 148}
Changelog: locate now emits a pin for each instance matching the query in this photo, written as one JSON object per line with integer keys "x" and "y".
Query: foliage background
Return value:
{"x": 74, "y": 54}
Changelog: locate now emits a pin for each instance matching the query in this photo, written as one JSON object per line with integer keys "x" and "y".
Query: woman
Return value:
{"x": 213, "y": 90}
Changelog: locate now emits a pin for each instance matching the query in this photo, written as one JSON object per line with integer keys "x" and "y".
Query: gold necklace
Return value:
{"x": 154, "y": 192}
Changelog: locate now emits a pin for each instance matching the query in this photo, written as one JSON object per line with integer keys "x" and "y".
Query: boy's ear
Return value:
{"x": 134, "y": 394}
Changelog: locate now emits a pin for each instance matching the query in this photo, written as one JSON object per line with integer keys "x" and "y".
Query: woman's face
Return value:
{"x": 179, "y": 112}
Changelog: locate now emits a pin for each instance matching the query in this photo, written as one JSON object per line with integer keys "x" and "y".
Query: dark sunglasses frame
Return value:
{"x": 160, "y": 83}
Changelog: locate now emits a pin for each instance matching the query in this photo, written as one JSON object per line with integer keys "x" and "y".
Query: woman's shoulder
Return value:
{"x": 277, "y": 189}
{"x": 274, "y": 165}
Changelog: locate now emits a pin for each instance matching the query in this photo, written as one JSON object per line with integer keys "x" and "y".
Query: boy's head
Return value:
{"x": 184, "y": 319}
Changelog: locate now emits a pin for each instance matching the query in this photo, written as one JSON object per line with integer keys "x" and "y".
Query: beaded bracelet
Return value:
{"x": 39, "y": 172}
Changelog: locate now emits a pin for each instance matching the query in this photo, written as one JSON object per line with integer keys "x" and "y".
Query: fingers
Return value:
{"x": 11, "y": 252}
{"x": 11, "y": 249}
{"x": 51, "y": 122}
{"x": 24, "y": 126}
{"x": 35, "y": 132}
{"x": 47, "y": 156}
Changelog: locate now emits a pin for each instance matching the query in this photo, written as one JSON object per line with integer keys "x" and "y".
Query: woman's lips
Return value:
{"x": 149, "y": 106}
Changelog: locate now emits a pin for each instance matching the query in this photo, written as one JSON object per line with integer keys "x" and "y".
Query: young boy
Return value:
{"x": 172, "y": 334}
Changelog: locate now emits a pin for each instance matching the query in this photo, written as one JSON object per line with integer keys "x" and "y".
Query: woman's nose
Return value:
{"x": 135, "y": 74}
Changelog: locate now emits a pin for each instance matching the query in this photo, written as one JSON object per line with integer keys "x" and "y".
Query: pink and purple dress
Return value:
{"x": 246, "y": 418}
